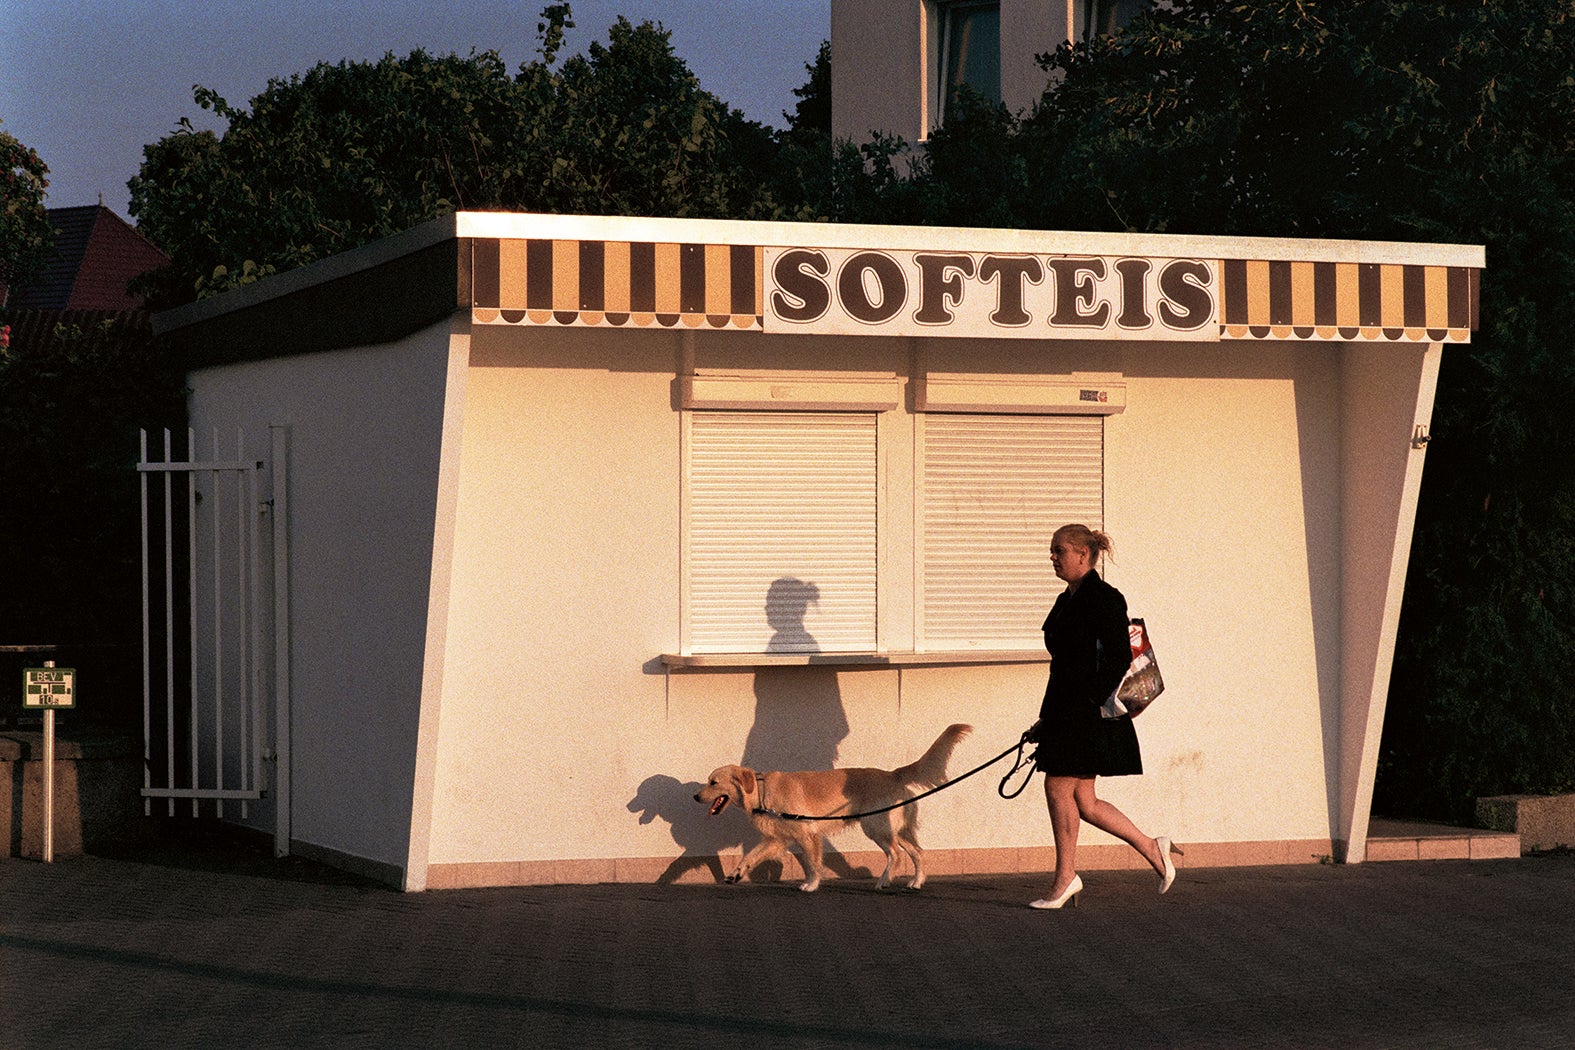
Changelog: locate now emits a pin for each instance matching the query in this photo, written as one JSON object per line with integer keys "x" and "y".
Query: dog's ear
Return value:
{"x": 744, "y": 780}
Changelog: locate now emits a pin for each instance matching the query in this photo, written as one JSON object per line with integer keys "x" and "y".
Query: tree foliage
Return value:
{"x": 801, "y": 170}
{"x": 26, "y": 237}
{"x": 1417, "y": 120}
{"x": 351, "y": 152}
{"x": 71, "y": 401}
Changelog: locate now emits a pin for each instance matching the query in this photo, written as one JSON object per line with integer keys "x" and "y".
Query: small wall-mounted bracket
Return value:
{"x": 1420, "y": 437}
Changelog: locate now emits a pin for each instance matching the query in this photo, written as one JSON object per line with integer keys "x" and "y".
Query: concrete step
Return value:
{"x": 1421, "y": 840}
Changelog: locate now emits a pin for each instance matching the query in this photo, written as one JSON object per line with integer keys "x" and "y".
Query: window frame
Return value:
{"x": 940, "y": 59}
{"x": 1105, "y": 17}
{"x": 899, "y": 585}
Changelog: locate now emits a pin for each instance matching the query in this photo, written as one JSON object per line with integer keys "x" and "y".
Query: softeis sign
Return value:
{"x": 868, "y": 292}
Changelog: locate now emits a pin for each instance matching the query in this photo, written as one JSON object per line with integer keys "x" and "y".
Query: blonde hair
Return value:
{"x": 1092, "y": 540}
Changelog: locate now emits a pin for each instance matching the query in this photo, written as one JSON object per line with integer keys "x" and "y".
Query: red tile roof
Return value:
{"x": 97, "y": 254}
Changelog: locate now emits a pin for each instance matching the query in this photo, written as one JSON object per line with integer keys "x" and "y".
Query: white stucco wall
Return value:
{"x": 1379, "y": 460}
{"x": 1224, "y": 503}
{"x": 529, "y": 719}
{"x": 565, "y": 557}
{"x": 561, "y": 736}
{"x": 364, "y": 429}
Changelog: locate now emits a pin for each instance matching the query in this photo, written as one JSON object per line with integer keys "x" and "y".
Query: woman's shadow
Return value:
{"x": 799, "y": 723}
{"x": 799, "y": 719}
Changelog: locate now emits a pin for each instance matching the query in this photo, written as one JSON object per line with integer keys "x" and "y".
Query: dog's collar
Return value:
{"x": 760, "y": 796}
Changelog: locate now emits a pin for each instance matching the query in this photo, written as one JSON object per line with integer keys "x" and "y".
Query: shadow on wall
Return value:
{"x": 799, "y": 723}
{"x": 701, "y": 838}
{"x": 799, "y": 719}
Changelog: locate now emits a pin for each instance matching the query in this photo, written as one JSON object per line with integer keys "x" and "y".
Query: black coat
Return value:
{"x": 1086, "y": 634}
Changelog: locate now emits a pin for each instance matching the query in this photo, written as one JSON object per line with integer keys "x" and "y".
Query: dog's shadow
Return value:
{"x": 703, "y": 838}
{"x": 799, "y": 724}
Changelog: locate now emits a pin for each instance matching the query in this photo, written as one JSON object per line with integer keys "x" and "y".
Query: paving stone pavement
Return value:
{"x": 200, "y": 946}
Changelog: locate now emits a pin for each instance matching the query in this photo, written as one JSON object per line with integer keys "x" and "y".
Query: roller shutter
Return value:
{"x": 994, "y": 489}
{"x": 782, "y": 549}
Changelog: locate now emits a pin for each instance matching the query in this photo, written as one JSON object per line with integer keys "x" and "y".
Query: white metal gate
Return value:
{"x": 215, "y": 681}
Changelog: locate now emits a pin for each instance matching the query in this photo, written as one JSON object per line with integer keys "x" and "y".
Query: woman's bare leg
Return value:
{"x": 1065, "y": 815}
{"x": 1106, "y": 817}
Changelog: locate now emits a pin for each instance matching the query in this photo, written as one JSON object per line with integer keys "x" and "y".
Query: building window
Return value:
{"x": 969, "y": 49}
{"x": 994, "y": 488}
{"x": 790, "y": 526}
{"x": 782, "y": 514}
{"x": 1103, "y": 17}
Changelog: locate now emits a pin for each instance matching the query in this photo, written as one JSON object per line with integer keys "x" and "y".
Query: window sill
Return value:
{"x": 709, "y": 661}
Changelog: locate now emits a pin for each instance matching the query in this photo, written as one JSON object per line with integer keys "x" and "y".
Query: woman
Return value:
{"x": 1086, "y": 633}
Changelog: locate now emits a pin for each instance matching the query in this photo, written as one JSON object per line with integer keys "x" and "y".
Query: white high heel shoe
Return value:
{"x": 1166, "y": 848}
{"x": 1069, "y": 894}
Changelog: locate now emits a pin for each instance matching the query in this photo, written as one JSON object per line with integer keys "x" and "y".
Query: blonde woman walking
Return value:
{"x": 1086, "y": 634}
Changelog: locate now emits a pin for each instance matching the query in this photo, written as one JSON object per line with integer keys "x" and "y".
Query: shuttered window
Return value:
{"x": 993, "y": 490}
{"x": 782, "y": 514}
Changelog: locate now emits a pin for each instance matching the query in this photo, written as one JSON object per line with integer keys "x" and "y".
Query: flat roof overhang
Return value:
{"x": 809, "y": 278}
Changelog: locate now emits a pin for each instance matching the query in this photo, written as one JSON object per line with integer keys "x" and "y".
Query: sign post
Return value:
{"x": 49, "y": 687}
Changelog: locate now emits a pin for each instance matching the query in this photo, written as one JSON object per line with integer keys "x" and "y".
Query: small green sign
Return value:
{"x": 50, "y": 687}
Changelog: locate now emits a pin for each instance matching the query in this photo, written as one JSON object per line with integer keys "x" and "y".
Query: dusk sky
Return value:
{"x": 88, "y": 83}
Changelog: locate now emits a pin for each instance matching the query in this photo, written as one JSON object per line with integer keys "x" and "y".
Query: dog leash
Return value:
{"x": 1018, "y": 763}
{"x": 1018, "y": 747}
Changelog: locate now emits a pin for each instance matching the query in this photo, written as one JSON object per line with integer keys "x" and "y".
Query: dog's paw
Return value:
{"x": 915, "y": 883}
{"x": 810, "y": 886}
{"x": 737, "y": 876}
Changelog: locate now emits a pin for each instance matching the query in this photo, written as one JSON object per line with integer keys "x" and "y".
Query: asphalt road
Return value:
{"x": 222, "y": 946}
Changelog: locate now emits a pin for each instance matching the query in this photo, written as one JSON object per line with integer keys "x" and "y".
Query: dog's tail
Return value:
{"x": 930, "y": 770}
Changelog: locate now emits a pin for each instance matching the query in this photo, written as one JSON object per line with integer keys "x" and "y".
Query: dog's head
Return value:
{"x": 727, "y": 785}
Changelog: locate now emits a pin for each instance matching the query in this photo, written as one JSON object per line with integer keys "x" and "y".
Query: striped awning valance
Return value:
{"x": 617, "y": 283}
{"x": 1347, "y": 301}
{"x": 529, "y": 281}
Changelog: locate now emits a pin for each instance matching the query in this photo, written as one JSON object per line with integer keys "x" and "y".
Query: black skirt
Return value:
{"x": 1088, "y": 747}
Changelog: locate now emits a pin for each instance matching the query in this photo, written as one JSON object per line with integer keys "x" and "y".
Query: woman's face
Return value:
{"x": 1071, "y": 560}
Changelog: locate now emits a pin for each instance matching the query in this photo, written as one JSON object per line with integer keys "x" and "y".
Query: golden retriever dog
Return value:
{"x": 826, "y": 793}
